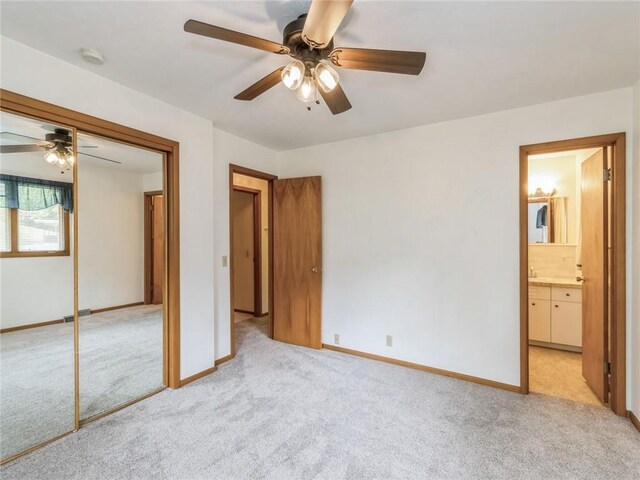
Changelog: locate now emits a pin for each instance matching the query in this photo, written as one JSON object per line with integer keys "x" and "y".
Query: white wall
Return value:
{"x": 420, "y": 232}
{"x": 110, "y": 237}
{"x": 229, "y": 149}
{"x": 634, "y": 286}
{"x": 26, "y": 292}
{"x": 110, "y": 254}
{"x": 33, "y": 73}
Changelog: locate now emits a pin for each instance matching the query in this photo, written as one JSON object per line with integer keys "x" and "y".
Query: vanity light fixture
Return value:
{"x": 539, "y": 192}
{"x": 542, "y": 186}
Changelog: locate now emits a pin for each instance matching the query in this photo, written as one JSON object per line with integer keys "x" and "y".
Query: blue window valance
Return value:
{"x": 27, "y": 193}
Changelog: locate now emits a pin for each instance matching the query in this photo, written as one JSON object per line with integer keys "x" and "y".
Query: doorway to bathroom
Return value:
{"x": 572, "y": 270}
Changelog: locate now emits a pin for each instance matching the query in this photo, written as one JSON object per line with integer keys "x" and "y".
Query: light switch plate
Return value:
{"x": 336, "y": 339}
{"x": 224, "y": 261}
{"x": 389, "y": 341}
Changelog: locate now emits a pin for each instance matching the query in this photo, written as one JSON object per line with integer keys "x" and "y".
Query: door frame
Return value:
{"x": 257, "y": 248}
{"x": 249, "y": 172}
{"x": 617, "y": 267}
{"x": 148, "y": 259}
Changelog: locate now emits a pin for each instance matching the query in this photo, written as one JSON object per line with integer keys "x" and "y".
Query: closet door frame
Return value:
{"x": 22, "y": 105}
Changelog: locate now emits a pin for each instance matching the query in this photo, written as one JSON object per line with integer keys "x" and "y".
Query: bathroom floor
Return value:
{"x": 559, "y": 374}
{"x": 241, "y": 317}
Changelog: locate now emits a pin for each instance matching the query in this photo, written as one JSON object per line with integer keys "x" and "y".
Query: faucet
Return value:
{"x": 532, "y": 273}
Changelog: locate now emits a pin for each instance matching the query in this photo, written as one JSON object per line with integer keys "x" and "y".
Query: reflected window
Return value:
{"x": 5, "y": 230}
{"x": 41, "y": 230}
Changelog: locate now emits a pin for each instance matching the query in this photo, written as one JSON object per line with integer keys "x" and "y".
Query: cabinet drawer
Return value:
{"x": 539, "y": 320}
{"x": 563, "y": 294}
{"x": 566, "y": 323}
{"x": 540, "y": 293}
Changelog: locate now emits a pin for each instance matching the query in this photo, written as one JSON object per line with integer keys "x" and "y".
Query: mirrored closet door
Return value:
{"x": 37, "y": 386}
{"x": 120, "y": 274}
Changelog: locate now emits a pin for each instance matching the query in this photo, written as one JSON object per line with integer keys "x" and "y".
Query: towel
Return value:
{"x": 541, "y": 219}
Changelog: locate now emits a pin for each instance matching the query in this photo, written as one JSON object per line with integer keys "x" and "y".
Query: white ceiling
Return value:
{"x": 131, "y": 159}
{"x": 481, "y": 57}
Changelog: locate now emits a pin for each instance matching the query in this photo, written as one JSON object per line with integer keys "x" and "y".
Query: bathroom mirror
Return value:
{"x": 120, "y": 274}
{"x": 37, "y": 385}
{"x": 547, "y": 220}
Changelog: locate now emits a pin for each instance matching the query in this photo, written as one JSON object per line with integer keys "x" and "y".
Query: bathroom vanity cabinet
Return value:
{"x": 555, "y": 316}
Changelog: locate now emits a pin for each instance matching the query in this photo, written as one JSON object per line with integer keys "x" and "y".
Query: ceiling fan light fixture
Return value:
{"x": 308, "y": 90}
{"x": 60, "y": 156}
{"x": 326, "y": 77}
{"x": 293, "y": 74}
{"x": 51, "y": 156}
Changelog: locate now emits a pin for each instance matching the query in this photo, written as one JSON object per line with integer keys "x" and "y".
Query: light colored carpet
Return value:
{"x": 120, "y": 360}
{"x": 282, "y": 412}
{"x": 120, "y": 357}
{"x": 559, "y": 374}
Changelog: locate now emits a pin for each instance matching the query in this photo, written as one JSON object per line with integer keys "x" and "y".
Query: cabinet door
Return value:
{"x": 566, "y": 323}
{"x": 539, "y": 320}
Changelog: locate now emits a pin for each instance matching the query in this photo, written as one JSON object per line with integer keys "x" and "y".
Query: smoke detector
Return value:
{"x": 91, "y": 56}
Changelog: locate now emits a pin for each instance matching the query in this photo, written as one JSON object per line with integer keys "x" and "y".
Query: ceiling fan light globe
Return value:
{"x": 326, "y": 77}
{"x": 51, "y": 156}
{"x": 293, "y": 74}
{"x": 307, "y": 91}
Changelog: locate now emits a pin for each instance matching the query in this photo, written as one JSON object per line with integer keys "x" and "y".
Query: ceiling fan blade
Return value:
{"x": 23, "y": 148}
{"x": 219, "y": 33}
{"x": 392, "y": 61}
{"x": 260, "y": 86}
{"x": 100, "y": 158}
{"x": 323, "y": 19}
{"x": 336, "y": 100}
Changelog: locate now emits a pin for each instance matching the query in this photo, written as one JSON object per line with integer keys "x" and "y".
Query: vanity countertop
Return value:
{"x": 555, "y": 282}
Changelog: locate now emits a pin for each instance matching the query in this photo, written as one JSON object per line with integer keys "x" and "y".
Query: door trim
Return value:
{"x": 249, "y": 172}
{"x": 617, "y": 333}
{"x": 148, "y": 260}
{"x": 257, "y": 247}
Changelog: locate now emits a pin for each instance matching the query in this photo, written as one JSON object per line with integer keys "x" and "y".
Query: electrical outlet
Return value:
{"x": 389, "y": 341}
{"x": 224, "y": 261}
{"x": 336, "y": 339}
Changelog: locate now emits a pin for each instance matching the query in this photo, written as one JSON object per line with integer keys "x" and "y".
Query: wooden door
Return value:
{"x": 297, "y": 261}
{"x": 157, "y": 245}
{"x": 593, "y": 218}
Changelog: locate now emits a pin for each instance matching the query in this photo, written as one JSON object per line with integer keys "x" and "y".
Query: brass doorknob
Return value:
{"x": 316, "y": 270}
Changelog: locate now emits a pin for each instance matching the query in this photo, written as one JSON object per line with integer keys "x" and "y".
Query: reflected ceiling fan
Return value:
{"x": 309, "y": 41}
{"x": 57, "y": 147}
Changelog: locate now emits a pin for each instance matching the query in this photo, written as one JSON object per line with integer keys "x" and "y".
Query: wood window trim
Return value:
{"x": 15, "y": 253}
{"x": 617, "y": 333}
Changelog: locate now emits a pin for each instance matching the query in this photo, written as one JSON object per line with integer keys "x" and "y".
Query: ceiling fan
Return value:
{"x": 57, "y": 147}
{"x": 309, "y": 41}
